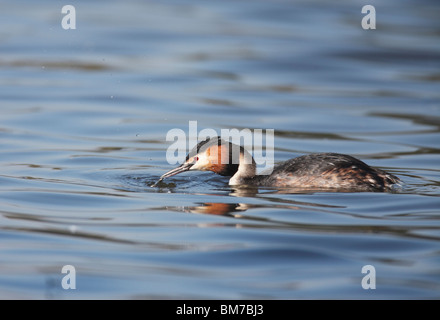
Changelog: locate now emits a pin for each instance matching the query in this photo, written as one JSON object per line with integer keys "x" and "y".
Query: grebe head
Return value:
{"x": 216, "y": 155}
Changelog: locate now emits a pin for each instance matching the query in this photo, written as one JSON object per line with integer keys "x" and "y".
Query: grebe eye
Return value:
{"x": 196, "y": 159}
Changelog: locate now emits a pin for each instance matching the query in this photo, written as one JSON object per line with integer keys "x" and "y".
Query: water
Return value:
{"x": 84, "y": 119}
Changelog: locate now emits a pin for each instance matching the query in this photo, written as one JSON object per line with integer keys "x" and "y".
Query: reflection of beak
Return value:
{"x": 182, "y": 168}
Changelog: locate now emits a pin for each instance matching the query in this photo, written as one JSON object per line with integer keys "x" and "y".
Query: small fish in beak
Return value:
{"x": 182, "y": 168}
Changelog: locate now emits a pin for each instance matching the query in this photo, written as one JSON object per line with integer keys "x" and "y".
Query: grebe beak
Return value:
{"x": 182, "y": 168}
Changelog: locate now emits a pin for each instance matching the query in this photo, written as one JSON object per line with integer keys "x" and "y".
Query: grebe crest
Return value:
{"x": 317, "y": 171}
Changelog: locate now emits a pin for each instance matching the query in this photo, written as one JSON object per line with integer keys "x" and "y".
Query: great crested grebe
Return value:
{"x": 317, "y": 171}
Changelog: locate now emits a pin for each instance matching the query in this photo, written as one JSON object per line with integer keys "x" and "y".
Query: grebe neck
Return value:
{"x": 247, "y": 168}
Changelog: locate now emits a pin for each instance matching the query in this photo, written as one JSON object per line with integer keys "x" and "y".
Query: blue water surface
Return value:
{"x": 84, "y": 119}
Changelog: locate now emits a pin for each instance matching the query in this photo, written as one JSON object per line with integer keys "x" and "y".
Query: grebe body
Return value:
{"x": 317, "y": 171}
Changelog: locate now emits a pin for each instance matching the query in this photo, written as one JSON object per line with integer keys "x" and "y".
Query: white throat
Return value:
{"x": 246, "y": 168}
